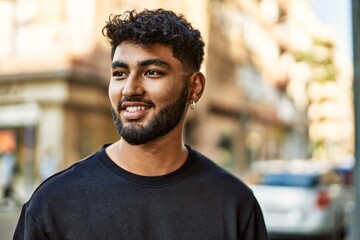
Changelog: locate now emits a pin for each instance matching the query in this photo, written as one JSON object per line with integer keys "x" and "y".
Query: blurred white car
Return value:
{"x": 300, "y": 199}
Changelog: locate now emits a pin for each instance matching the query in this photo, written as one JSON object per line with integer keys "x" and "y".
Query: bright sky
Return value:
{"x": 338, "y": 14}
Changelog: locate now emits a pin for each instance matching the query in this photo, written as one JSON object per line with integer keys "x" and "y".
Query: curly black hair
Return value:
{"x": 157, "y": 26}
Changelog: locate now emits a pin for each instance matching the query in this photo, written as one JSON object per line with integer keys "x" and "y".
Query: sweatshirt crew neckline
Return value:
{"x": 149, "y": 181}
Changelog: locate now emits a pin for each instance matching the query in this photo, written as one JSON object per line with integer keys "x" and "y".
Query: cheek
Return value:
{"x": 114, "y": 92}
{"x": 165, "y": 92}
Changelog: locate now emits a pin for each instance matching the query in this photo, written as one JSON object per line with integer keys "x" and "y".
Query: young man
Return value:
{"x": 149, "y": 184}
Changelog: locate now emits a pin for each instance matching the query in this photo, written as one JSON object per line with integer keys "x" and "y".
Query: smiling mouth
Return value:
{"x": 135, "y": 108}
{"x": 133, "y": 111}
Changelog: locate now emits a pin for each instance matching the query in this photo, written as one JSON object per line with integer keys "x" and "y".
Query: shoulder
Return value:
{"x": 208, "y": 167}
{"x": 76, "y": 170}
{"x": 65, "y": 183}
{"x": 234, "y": 194}
{"x": 221, "y": 179}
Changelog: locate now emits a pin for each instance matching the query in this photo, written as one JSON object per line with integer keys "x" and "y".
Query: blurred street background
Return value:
{"x": 279, "y": 88}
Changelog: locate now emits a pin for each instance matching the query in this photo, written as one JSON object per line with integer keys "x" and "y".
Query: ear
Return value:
{"x": 196, "y": 86}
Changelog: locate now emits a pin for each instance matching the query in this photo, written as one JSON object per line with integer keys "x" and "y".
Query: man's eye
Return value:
{"x": 152, "y": 73}
{"x": 118, "y": 74}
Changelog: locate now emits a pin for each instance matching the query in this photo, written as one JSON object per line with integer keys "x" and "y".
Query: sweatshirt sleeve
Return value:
{"x": 255, "y": 229}
{"x": 27, "y": 228}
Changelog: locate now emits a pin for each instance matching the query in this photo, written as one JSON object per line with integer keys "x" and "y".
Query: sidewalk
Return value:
{"x": 10, "y": 208}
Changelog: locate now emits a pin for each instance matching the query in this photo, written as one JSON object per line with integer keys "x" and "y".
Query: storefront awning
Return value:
{"x": 27, "y": 114}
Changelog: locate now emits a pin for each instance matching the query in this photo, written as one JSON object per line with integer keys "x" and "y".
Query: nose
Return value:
{"x": 133, "y": 86}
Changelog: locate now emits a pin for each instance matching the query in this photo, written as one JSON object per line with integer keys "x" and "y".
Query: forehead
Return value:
{"x": 130, "y": 52}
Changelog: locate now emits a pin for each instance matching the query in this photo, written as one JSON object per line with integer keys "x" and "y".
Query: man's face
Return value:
{"x": 148, "y": 92}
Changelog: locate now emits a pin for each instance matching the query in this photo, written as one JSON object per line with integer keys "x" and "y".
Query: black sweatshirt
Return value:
{"x": 96, "y": 199}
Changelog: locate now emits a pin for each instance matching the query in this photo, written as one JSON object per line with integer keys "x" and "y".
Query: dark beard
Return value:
{"x": 162, "y": 123}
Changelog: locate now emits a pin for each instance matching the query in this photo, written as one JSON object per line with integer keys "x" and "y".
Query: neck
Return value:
{"x": 156, "y": 158}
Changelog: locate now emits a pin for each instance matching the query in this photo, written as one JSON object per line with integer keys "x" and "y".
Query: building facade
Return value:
{"x": 54, "y": 72}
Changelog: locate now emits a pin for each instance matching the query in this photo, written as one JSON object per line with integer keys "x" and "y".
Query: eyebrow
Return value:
{"x": 148, "y": 62}
{"x": 155, "y": 61}
{"x": 118, "y": 64}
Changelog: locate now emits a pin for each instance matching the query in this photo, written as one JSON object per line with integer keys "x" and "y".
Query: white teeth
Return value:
{"x": 135, "y": 108}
